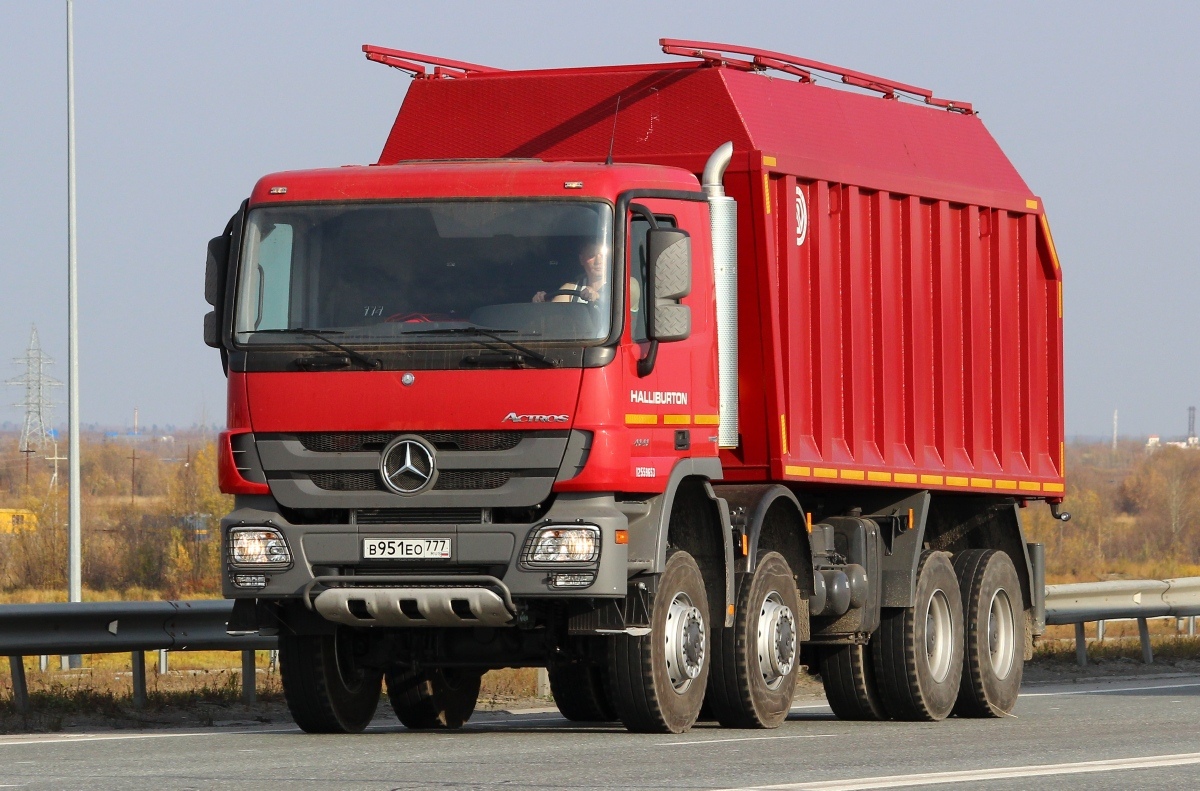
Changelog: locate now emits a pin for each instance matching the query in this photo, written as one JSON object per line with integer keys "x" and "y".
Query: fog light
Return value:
{"x": 561, "y": 544}
{"x": 250, "y": 580}
{"x": 258, "y": 546}
{"x": 572, "y": 580}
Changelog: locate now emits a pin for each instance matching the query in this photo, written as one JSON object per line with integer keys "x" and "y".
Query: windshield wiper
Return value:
{"x": 322, "y": 335}
{"x": 495, "y": 336}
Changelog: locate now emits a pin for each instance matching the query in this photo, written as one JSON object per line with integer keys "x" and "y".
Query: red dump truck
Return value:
{"x": 675, "y": 379}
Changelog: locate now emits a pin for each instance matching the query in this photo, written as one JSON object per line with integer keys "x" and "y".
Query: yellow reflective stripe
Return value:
{"x": 1029, "y": 486}
{"x": 854, "y": 475}
{"x": 708, "y": 420}
{"x": 932, "y": 479}
{"x": 985, "y": 483}
{"x": 905, "y": 477}
{"x": 1030, "y": 203}
{"x": 783, "y": 444}
{"x": 1052, "y": 487}
{"x": 879, "y": 476}
{"x": 768, "y": 161}
{"x": 1006, "y": 484}
{"x": 677, "y": 420}
{"x": 796, "y": 470}
{"x": 954, "y": 480}
{"x": 767, "y": 192}
{"x": 824, "y": 472}
{"x": 641, "y": 420}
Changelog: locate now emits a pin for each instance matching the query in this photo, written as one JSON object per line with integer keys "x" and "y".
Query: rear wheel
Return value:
{"x": 326, "y": 687}
{"x": 919, "y": 659}
{"x": 993, "y": 662}
{"x": 658, "y": 680}
{"x": 581, "y": 692}
{"x": 848, "y": 673}
{"x": 443, "y": 698}
{"x": 755, "y": 665}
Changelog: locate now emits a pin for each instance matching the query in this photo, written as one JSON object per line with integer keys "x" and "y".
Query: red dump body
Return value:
{"x": 899, "y": 293}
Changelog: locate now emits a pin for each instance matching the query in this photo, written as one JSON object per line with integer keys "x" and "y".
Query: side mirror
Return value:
{"x": 214, "y": 270}
{"x": 668, "y": 280}
{"x": 212, "y": 330}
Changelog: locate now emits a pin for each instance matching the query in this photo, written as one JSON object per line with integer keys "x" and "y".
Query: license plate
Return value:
{"x": 406, "y": 549}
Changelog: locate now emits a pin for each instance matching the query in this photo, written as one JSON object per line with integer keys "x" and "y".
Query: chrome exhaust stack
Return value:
{"x": 723, "y": 224}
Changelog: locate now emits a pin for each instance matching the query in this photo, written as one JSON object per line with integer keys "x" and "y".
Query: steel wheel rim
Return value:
{"x": 776, "y": 640}
{"x": 939, "y": 649}
{"x": 685, "y": 638}
{"x": 1001, "y": 635}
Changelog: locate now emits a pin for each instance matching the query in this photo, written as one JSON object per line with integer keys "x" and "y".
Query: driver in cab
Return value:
{"x": 590, "y": 286}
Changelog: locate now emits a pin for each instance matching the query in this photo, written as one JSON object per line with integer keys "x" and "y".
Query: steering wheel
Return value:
{"x": 564, "y": 292}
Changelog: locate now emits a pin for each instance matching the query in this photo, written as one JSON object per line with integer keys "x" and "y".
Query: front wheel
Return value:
{"x": 993, "y": 662}
{"x": 326, "y": 687}
{"x": 755, "y": 666}
{"x": 581, "y": 692}
{"x": 439, "y": 699}
{"x": 658, "y": 680}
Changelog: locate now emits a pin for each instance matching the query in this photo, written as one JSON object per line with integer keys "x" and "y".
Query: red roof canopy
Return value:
{"x": 677, "y": 114}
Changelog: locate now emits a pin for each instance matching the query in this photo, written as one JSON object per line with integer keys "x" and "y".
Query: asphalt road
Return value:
{"x": 1119, "y": 733}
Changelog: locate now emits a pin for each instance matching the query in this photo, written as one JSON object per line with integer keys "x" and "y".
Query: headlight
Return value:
{"x": 561, "y": 544}
{"x": 258, "y": 546}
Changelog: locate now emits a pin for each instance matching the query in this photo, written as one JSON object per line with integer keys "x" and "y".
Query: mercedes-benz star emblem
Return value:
{"x": 407, "y": 465}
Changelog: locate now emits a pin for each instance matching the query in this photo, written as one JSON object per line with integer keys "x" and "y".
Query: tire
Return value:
{"x": 581, "y": 692}
{"x": 659, "y": 679}
{"x": 439, "y": 699}
{"x": 755, "y": 662}
{"x": 848, "y": 673}
{"x": 326, "y": 690}
{"x": 918, "y": 663}
{"x": 994, "y": 612}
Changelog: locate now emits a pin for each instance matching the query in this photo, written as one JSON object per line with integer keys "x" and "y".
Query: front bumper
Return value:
{"x": 335, "y": 551}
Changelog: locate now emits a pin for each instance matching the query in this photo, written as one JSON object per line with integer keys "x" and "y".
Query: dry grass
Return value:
{"x": 1165, "y": 648}
{"x": 46, "y": 596}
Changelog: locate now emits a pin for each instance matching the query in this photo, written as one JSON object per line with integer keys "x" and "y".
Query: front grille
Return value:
{"x": 350, "y": 442}
{"x": 448, "y": 480}
{"x": 348, "y": 481}
{"x": 461, "y": 480}
{"x": 419, "y": 516}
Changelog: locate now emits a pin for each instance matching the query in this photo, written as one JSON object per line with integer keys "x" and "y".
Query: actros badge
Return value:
{"x": 407, "y": 465}
{"x": 513, "y": 417}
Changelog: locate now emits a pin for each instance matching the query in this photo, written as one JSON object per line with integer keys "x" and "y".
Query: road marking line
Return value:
{"x": 93, "y": 737}
{"x": 744, "y": 739}
{"x": 979, "y": 775}
{"x": 810, "y": 706}
{"x": 1105, "y": 691}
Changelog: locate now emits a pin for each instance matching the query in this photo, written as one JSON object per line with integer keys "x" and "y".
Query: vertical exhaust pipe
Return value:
{"x": 723, "y": 225}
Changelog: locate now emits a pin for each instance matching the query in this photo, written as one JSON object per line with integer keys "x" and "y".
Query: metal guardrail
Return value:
{"x": 119, "y": 627}
{"x": 1080, "y": 603}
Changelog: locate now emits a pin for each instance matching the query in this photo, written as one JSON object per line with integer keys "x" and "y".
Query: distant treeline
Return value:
{"x": 151, "y": 522}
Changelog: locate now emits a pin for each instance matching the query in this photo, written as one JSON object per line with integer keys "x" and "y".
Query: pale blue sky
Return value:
{"x": 180, "y": 107}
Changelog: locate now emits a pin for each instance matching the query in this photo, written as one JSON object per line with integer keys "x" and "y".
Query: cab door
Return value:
{"x": 671, "y": 406}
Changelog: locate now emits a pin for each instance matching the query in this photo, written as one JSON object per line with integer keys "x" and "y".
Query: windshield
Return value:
{"x": 537, "y": 270}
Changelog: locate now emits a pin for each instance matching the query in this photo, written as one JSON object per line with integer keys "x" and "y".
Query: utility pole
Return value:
{"x": 54, "y": 478}
{"x": 132, "y": 475}
{"x": 28, "y": 452}
{"x": 74, "y": 509}
{"x": 1114, "y": 445}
